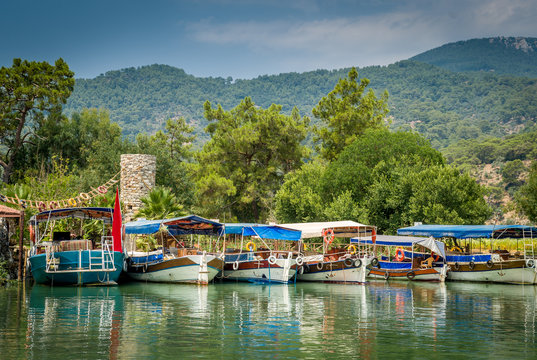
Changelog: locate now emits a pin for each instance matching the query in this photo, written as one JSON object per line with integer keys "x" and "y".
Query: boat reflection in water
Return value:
{"x": 234, "y": 320}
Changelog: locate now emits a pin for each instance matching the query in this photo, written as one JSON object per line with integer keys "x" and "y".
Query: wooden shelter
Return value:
{"x": 7, "y": 212}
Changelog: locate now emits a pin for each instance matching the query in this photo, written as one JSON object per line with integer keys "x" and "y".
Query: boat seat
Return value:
{"x": 73, "y": 245}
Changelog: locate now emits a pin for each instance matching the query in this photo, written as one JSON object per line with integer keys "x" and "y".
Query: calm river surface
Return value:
{"x": 230, "y": 320}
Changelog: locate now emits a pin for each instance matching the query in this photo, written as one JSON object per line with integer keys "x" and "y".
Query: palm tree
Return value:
{"x": 160, "y": 203}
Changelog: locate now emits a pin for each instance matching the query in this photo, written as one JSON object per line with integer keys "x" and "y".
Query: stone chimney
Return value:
{"x": 137, "y": 179}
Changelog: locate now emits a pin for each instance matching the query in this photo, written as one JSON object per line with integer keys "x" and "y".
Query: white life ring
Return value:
{"x": 236, "y": 265}
{"x": 299, "y": 260}
{"x": 272, "y": 259}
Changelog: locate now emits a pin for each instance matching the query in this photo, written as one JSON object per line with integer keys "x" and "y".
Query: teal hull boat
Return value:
{"x": 74, "y": 268}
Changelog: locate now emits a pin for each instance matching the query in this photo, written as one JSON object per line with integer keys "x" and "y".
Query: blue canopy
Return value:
{"x": 185, "y": 225}
{"x": 273, "y": 232}
{"x": 470, "y": 231}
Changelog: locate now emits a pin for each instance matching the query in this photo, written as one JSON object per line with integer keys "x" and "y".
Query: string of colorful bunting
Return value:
{"x": 43, "y": 205}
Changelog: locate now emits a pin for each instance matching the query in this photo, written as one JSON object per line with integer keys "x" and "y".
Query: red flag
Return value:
{"x": 116, "y": 224}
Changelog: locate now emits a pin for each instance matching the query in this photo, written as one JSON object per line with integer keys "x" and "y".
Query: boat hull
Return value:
{"x": 184, "y": 269}
{"x": 333, "y": 272}
{"x": 259, "y": 271}
{"x": 429, "y": 274}
{"x": 69, "y": 271}
{"x": 510, "y": 272}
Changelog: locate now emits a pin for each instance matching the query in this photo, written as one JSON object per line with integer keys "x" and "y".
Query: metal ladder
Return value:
{"x": 52, "y": 263}
{"x": 105, "y": 259}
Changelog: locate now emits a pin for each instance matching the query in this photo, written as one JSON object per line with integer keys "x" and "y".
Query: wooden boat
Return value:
{"x": 394, "y": 258}
{"x": 333, "y": 264}
{"x": 501, "y": 266}
{"x": 179, "y": 263}
{"x": 261, "y": 259}
{"x": 57, "y": 259}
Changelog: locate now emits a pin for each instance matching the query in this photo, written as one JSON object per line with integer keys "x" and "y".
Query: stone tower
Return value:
{"x": 137, "y": 179}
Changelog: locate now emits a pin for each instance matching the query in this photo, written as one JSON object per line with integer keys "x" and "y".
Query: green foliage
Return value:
{"x": 160, "y": 203}
{"x": 346, "y": 112}
{"x": 299, "y": 198}
{"x": 502, "y": 55}
{"x": 242, "y": 166}
{"x": 526, "y": 197}
{"x": 511, "y": 172}
{"x": 389, "y": 179}
{"x": 444, "y": 106}
{"x": 29, "y": 91}
{"x": 4, "y": 273}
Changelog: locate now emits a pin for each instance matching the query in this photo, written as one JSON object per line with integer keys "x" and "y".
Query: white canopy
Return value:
{"x": 345, "y": 228}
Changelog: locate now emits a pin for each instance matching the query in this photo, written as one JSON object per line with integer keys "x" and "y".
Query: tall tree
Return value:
{"x": 526, "y": 197}
{"x": 250, "y": 151}
{"x": 172, "y": 149}
{"x": 346, "y": 112}
{"x": 29, "y": 92}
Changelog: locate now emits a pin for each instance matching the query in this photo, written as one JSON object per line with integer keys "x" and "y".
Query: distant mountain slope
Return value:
{"x": 443, "y": 105}
{"x": 501, "y": 55}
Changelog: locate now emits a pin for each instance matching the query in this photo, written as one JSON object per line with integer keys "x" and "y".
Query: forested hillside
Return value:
{"x": 501, "y": 55}
{"x": 443, "y": 105}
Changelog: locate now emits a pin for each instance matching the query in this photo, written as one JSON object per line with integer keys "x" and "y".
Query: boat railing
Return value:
{"x": 97, "y": 260}
{"x": 529, "y": 251}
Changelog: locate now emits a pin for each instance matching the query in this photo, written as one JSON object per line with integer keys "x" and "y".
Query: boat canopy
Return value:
{"x": 389, "y": 240}
{"x": 273, "y": 232}
{"x": 186, "y": 225}
{"x": 86, "y": 213}
{"x": 470, "y": 231}
{"x": 341, "y": 228}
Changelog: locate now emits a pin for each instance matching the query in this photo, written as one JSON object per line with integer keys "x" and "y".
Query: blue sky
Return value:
{"x": 247, "y": 38}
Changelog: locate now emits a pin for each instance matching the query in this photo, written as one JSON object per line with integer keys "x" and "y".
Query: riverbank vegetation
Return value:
{"x": 260, "y": 163}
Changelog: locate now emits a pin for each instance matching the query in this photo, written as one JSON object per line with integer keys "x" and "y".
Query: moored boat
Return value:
{"x": 175, "y": 264}
{"x": 487, "y": 265}
{"x": 333, "y": 264}
{"x": 270, "y": 256}
{"x": 58, "y": 259}
{"x": 395, "y": 258}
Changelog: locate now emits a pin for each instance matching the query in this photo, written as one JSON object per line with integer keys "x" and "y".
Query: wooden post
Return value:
{"x": 21, "y": 233}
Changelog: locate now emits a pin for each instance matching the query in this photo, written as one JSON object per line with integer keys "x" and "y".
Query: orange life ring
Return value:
{"x": 435, "y": 257}
{"x": 399, "y": 255}
{"x": 328, "y": 236}
{"x": 374, "y": 235}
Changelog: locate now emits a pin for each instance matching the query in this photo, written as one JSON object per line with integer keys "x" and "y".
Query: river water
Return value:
{"x": 237, "y": 321}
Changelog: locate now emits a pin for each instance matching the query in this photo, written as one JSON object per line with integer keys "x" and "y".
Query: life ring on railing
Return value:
{"x": 374, "y": 235}
{"x": 435, "y": 256}
{"x": 399, "y": 255}
{"x": 236, "y": 265}
{"x": 456, "y": 249}
{"x": 328, "y": 236}
{"x": 272, "y": 259}
{"x": 358, "y": 263}
{"x": 251, "y": 246}
{"x": 353, "y": 249}
{"x": 299, "y": 260}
